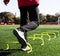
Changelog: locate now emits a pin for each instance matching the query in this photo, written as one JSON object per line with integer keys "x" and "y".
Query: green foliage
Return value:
{"x": 42, "y": 19}
{"x": 8, "y": 17}
{"x": 17, "y": 20}
{"x": 51, "y": 18}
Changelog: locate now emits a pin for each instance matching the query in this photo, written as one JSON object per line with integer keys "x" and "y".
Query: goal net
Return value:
{"x": 58, "y": 20}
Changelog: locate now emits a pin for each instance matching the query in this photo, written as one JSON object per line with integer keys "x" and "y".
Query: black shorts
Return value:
{"x": 29, "y": 13}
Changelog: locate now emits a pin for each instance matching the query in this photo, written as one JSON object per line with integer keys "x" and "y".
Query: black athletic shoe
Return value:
{"x": 19, "y": 33}
{"x": 21, "y": 38}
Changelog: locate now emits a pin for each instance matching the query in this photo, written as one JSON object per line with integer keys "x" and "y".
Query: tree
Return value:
{"x": 7, "y": 17}
{"x": 42, "y": 18}
{"x": 51, "y": 18}
{"x": 17, "y": 20}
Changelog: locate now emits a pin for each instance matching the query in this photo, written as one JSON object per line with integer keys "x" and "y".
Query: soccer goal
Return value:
{"x": 59, "y": 20}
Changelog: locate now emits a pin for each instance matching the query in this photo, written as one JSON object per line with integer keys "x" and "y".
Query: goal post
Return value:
{"x": 59, "y": 20}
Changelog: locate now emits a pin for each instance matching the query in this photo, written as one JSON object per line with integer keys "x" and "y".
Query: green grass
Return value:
{"x": 50, "y": 48}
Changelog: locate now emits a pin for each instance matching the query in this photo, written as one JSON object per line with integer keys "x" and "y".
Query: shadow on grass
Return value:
{"x": 8, "y": 52}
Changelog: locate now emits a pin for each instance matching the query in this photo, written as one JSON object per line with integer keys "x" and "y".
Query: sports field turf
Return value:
{"x": 50, "y": 48}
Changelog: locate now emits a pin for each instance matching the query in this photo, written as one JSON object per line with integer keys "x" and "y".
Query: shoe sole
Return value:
{"x": 24, "y": 50}
{"x": 21, "y": 41}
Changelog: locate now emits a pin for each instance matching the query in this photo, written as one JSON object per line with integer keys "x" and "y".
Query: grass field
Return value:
{"x": 50, "y": 48}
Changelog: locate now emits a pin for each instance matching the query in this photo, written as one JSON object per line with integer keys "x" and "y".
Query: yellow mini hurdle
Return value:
{"x": 35, "y": 36}
{"x": 47, "y": 33}
{"x": 16, "y": 42}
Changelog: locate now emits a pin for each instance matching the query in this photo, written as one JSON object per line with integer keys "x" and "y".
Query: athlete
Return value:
{"x": 29, "y": 13}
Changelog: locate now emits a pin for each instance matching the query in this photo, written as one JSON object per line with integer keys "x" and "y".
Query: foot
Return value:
{"x": 27, "y": 48}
